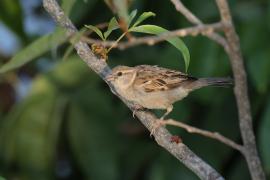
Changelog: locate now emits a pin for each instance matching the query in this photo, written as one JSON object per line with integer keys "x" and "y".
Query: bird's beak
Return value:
{"x": 109, "y": 77}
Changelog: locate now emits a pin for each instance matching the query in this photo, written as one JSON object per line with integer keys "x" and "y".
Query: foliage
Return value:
{"x": 35, "y": 49}
{"x": 147, "y": 29}
{"x": 70, "y": 126}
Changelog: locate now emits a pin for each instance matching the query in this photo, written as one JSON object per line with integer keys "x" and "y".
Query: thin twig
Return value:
{"x": 241, "y": 94}
{"x": 151, "y": 40}
{"x": 232, "y": 48}
{"x": 179, "y": 6}
{"x": 116, "y": 42}
{"x": 100, "y": 26}
{"x": 162, "y": 136}
{"x": 213, "y": 135}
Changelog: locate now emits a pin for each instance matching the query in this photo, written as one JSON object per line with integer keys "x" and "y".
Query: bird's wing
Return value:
{"x": 154, "y": 78}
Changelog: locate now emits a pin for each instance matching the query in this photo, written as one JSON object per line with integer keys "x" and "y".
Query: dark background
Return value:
{"x": 59, "y": 120}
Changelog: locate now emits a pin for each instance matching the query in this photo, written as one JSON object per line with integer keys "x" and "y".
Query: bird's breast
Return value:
{"x": 154, "y": 100}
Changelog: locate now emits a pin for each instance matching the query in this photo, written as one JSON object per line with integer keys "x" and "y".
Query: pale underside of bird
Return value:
{"x": 154, "y": 87}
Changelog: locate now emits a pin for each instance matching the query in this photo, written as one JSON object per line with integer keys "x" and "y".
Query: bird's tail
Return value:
{"x": 217, "y": 82}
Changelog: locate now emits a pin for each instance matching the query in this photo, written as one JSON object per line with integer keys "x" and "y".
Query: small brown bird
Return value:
{"x": 154, "y": 87}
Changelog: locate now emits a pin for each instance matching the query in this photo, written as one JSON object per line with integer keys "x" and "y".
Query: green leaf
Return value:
{"x": 268, "y": 15}
{"x": 85, "y": 121}
{"x": 121, "y": 8}
{"x": 38, "y": 131}
{"x": 238, "y": 171}
{"x": 74, "y": 39}
{"x": 264, "y": 134}
{"x": 67, "y": 6}
{"x": 143, "y": 17}
{"x": 88, "y": 151}
{"x": 1, "y": 178}
{"x": 113, "y": 25}
{"x": 261, "y": 77}
{"x": 175, "y": 41}
{"x": 12, "y": 16}
{"x": 34, "y": 50}
{"x": 81, "y": 9}
{"x": 96, "y": 30}
{"x": 34, "y": 126}
{"x": 74, "y": 65}
{"x": 132, "y": 16}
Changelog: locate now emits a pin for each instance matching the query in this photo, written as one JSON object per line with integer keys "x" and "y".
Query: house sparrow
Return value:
{"x": 154, "y": 87}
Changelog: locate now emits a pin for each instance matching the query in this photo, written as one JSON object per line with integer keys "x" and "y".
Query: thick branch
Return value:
{"x": 162, "y": 136}
{"x": 241, "y": 93}
{"x": 212, "y": 135}
{"x": 151, "y": 40}
{"x": 179, "y": 6}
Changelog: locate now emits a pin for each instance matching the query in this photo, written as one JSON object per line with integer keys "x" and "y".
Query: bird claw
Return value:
{"x": 133, "y": 113}
{"x": 157, "y": 124}
{"x": 136, "y": 108}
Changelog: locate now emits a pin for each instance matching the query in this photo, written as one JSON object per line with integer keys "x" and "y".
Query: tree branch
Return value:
{"x": 232, "y": 47}
{"x": 151, "y": 40}
{"x": 212, "y": 135}
{"x": 162, "y": 136}
{"x": 179, "y": 6}
{"x": 241, "y": 93}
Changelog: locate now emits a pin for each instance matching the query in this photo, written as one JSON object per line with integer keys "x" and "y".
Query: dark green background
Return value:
{"x": 70, "y": 126}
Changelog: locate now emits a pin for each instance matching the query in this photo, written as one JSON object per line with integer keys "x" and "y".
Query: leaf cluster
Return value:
{"x": 134, "y": 26}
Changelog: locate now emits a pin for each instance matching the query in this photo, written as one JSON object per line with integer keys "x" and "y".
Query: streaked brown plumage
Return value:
{"x": 155, "y": 87}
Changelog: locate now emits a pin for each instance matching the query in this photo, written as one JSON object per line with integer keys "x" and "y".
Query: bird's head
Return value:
{"x": 122, "y": 76}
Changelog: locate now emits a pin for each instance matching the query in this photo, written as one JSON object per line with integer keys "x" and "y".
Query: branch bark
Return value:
{"x": 232, "y": 47}
{"x": 212, "y": 135}
{"x": 179, "y": 6}
{"x": 151, "y": 40}
{"x": 162, "y": 136}
{"x": 241, "y": 93}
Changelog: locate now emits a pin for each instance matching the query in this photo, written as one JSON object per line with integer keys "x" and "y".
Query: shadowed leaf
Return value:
{"x": 113, "y": 25}
{"x": 264, "y": 137}
{"x": 34, "y": 50}
{"x": 132, "y": 16}
{"x": 143, "y": 17}
{"x": 67, "y": 5}
{"x": 12, "y": 16}
{"x": 175, "y": 41}
{"x": 96, "y": 30}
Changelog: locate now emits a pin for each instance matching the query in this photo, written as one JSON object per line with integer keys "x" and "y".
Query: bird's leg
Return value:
{"x": 160, "y": 122}
{"x": 135, "y": 108}
{"x": 168, "y": 111}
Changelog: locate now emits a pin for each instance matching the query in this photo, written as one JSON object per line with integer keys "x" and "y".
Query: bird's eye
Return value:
{"x": 119, "y": 74}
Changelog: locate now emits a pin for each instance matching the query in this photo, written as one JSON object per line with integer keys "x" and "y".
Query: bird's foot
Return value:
{"x": 136, "y": 107}
{"x": 157, "y": 124}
